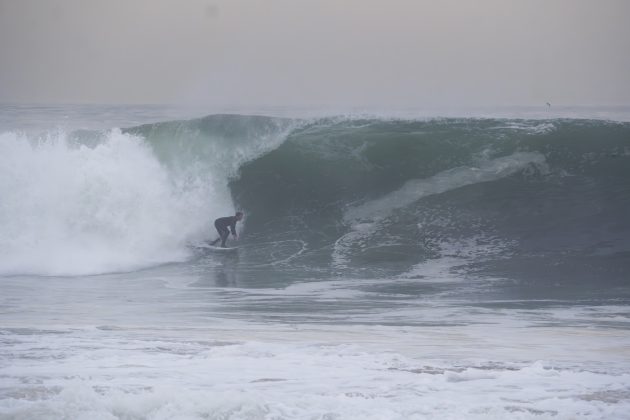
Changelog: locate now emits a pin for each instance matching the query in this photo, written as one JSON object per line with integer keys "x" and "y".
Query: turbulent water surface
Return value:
{"x": 388, "y": 268}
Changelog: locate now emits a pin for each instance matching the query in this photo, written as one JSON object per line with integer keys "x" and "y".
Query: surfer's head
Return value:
{"x": 239, "y": 215}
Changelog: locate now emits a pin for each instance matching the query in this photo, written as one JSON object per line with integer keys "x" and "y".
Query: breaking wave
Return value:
{"x": 361, "y": 195}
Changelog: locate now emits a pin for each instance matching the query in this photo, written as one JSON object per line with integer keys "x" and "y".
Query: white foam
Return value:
{"x": 303, "y": 374}
{"x": 358, "y": 237}
{"x": 416, "y": 189}
{"x": 457, "y": 253}
{"x": 69, "y": 209}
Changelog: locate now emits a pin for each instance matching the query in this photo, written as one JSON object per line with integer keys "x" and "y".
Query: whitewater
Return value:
{"x": 416, "y": 265}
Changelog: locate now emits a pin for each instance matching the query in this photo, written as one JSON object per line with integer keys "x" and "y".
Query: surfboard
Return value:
{"x": 216, "y": 248}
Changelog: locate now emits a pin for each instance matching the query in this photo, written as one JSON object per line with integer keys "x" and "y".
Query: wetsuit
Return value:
{"x": 222, "y": 224}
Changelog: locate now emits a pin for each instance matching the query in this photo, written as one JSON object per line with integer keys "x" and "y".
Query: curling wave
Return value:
{"x": 364, "y": 195}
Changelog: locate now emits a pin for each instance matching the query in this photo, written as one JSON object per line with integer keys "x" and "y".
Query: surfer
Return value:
{"x": 223, "y": 223}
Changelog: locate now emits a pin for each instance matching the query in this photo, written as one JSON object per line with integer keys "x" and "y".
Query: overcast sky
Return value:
{"x": 401, "y": 53}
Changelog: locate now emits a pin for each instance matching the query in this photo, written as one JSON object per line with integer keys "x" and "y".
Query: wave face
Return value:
{"x": 438, "y": 199}
{"x": 340, "y": 196}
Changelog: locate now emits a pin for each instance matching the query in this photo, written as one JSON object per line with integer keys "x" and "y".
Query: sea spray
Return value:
{"x": 74, "y": 209}
{"x": 89, "y": 202}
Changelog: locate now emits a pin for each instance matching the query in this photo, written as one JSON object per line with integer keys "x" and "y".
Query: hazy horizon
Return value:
{"x": 354, "y": 53}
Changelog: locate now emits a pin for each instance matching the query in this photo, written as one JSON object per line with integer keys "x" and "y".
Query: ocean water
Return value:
{"x": 417, "y": 264}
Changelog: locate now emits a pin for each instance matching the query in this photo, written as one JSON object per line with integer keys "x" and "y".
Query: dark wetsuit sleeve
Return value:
{"x": 233, "y": 226}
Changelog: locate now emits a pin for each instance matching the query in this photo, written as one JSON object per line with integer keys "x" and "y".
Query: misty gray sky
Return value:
{"x": 306, "y": 52}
